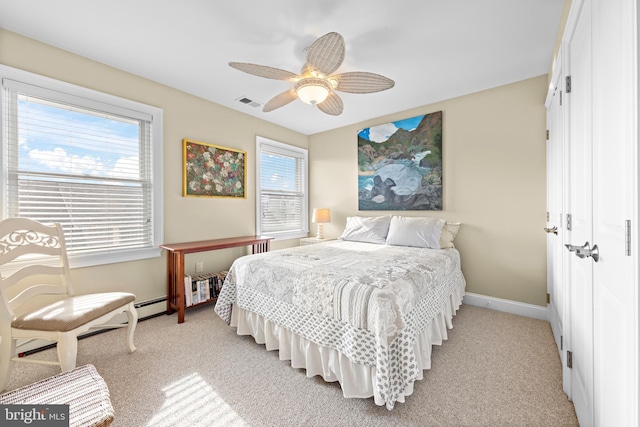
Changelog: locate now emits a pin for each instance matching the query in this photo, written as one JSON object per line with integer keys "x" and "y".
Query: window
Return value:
{"x": 281, "y": 196}
{"x": 87, "y": 160}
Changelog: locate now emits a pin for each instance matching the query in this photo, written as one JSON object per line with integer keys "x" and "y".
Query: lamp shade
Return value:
{"x": 321, "y": 215}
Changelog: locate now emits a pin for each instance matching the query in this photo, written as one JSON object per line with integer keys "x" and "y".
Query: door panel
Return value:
{"x": 554, "y": 207}
{"x": 615, "y": 338}
{"x": 580, "y": 207}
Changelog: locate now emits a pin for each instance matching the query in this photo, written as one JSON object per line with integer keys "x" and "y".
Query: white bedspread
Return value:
{"x": 369, "y": 302}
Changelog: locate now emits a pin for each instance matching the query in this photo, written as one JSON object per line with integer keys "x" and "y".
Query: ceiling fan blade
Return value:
{"x": 362, "y": 82}
{"x": 264, "y": 71}
{"x": 327, "y": 53}
{"x": 332, "y": 105}
{"x": 279, "y": 100}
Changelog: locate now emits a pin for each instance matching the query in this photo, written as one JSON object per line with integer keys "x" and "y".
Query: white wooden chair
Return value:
{"x": 33, "y": 262}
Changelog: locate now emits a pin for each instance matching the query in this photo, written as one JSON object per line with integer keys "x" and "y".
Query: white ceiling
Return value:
{"x": 432, "y": 49}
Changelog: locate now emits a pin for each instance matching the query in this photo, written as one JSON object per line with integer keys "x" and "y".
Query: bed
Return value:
{"x": 364, "y": 311}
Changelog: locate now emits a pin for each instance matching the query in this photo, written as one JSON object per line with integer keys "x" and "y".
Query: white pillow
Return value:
{"x": 449, "y": 232}
{"x": 418, "y": 232}
{"x": 366, "y": 229}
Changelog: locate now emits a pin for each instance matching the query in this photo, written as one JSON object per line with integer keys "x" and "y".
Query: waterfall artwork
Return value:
{"x": 400, "y": 165}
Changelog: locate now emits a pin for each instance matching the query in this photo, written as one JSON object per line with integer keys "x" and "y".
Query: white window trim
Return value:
{"x": 305, "y": 220}
{"x": 87, "y": 260}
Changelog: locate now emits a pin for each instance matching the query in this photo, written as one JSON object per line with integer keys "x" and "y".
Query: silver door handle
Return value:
{"x": 594, "y": 253}
{"x": 573, "y": 248}
{"x": 553, "y": 230}
{"x": 585, "y": 251}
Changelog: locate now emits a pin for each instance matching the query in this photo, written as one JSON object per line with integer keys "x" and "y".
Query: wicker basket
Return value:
{"x": 82, "y": 388}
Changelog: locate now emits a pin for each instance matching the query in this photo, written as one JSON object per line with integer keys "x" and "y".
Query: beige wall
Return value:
{"x": 494, "y": 175}
{"x": 185, "y": 116}
{"x": 494, "y": 183}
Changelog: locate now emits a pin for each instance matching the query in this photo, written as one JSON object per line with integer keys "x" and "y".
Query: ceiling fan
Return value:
{"x": 315, "y": 84}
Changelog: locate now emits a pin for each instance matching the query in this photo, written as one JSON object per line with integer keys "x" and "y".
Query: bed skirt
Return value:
{"x": 356, "y": 380}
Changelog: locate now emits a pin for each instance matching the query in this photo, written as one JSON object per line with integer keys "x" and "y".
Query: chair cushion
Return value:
{"x": 72, "y": 312}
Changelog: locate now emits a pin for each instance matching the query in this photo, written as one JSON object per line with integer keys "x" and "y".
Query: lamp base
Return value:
{"x": 319, "y": 233}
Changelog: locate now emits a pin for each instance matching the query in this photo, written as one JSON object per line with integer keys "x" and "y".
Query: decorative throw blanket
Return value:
{"x": 368, "y": 301}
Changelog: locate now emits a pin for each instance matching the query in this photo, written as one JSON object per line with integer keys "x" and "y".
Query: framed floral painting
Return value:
{"x": 212, "y": 171}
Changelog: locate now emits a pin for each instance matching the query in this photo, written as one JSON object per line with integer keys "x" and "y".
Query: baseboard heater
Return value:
{"x": 150, "y": 302}
{"x": 99, "y": 331}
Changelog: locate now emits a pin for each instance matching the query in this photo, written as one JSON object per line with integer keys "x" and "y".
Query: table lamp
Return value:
{"x": 320, "y": 216}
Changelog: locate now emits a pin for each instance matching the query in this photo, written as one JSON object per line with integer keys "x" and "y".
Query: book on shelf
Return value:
{"x": 220, "y": 278}
{"x": 194, "y": 292}
{"x": 187, "y": 290}
{"x": 214, "y": 286}
{"x": 202, "y": 288}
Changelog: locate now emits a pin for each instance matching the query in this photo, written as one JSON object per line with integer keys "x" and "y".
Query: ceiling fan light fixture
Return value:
{"x": 316, "y": 84}
{"x": 313, "y": 91}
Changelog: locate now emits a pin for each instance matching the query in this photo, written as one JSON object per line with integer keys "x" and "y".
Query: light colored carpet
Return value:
{"x": 496, "y": 369}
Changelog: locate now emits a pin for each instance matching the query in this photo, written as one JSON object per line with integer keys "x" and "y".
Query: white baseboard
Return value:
{"x": 508, "y": 306}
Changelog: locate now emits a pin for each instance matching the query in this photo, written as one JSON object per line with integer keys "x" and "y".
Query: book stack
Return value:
{"x": 202, "y": 288}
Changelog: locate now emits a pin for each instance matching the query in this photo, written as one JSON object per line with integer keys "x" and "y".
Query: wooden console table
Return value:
{"x": 175, "y": 264}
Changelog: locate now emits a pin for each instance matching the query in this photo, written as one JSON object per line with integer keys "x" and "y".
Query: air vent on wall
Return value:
{"x": 248, "y": 101}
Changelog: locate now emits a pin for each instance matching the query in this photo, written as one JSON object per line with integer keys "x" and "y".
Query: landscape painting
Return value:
{"x": 400, "y": 165}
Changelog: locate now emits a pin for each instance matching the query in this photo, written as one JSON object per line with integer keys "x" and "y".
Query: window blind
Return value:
{"x": 83, "y": 164}
{"x": 282, "y": 190}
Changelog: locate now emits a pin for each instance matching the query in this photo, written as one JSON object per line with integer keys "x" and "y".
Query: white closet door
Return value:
{"x": 557, "y": 255}
{"x": 554, "y": 210}
{"x": 614, "y": 196}
{"x": 601, "y": 57}
{"x": 580, "y": 205}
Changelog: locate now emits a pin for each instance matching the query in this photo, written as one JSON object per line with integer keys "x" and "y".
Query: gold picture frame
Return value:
{"x": 210, "y": 170}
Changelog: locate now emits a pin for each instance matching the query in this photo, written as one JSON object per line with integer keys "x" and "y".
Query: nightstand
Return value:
{"x": 312, "y": 241}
